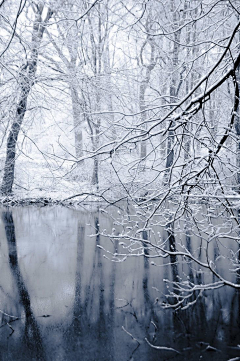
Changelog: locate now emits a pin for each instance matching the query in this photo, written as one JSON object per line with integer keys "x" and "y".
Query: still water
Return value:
{"x": 61, "y": 299}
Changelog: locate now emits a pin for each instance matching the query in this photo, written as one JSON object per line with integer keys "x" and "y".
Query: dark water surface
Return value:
{"x": 60, "y": 299}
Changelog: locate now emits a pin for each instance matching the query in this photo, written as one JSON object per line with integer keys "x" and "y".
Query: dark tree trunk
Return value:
{"x": 26, "y": 80}
{"x": 237, "y": 129}
{"x": 8, "y": 176}
{"x": 95, "y": 172}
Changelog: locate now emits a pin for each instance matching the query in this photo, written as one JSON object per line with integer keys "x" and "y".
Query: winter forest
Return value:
{"x": 130, "y": 108}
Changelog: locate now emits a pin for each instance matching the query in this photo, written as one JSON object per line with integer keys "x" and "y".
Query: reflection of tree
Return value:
{"x": 148, "y": 309}
{"x": 189, "y": 246}
{"x": 93, "y": 315}
{"x": 95, "y": 331}
{"x": 77, "y": 308}
{"x": 234, "y": 322}
{"x": 32, "y": 336}
{"x": 238, "y": 271}
{"x": 151, "y": 321}
{"x": 172, "y": 246}
{"x": 234, "y": 334}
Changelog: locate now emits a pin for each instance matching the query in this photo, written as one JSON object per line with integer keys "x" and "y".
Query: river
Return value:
{"x": 61, "y": 298}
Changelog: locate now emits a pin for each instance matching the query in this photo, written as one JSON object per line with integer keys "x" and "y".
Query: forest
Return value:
{"x": 132, "y": 106}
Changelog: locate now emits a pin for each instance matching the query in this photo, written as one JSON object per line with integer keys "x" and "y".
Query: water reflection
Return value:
{"x": 31, "y": 339}
{"x": 65, "y": 301}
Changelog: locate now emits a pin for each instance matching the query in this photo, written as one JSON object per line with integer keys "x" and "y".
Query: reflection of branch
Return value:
{"x": 11, "y": 329}
{"x": 134, "y": 339}
{"x": 6, "y": 314}
{"x": 128, "y": 304}
{"x": 120, "y": 299}
{"x": 11, "y": 321}
{"x": 155, "y": 330}
{"x": 162, "y": 348}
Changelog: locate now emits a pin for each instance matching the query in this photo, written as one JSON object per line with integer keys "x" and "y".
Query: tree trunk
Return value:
{"x": 173, "y": 95}
{"x": 77, "y": 123}
{"x": 143, "y": 150}
{"x": 95, "y": 141}
{"x": 142, "y": 92}
{"x": 237, "y": 124}
{"x": 8, "y": 176}
{"x": 237, "y": 129}
{"x": 26, "y": 80}
{"x": 95, "y": 172}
